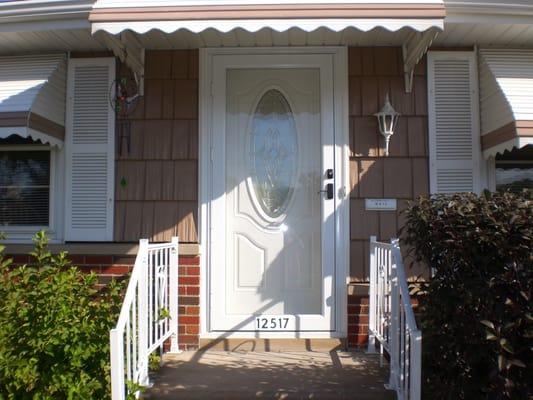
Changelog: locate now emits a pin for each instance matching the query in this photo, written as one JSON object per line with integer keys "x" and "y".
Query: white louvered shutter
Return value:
{"x": 90, "y": 150}
{"x": 453, "y": 122}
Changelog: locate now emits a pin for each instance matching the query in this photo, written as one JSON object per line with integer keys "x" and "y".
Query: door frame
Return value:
{"x": 341, "y": 154}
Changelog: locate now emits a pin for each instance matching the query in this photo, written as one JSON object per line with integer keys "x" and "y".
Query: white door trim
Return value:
{"x": 342, "y": 215}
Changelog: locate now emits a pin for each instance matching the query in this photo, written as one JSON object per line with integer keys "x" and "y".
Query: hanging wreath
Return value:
{"x": 124, "y": 96}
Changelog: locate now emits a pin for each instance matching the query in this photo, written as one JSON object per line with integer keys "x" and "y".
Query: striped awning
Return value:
{"x": 32, "y": 97}
{"x": 506, "y": 99}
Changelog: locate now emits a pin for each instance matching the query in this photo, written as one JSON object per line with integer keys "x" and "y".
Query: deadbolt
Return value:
{"x": 328, "y": 191}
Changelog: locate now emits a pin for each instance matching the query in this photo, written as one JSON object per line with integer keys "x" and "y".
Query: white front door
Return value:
{"x": 272, "y": 257}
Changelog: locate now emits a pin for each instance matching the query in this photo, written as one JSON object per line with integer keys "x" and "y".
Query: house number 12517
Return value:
{"x": 271, "y": 323}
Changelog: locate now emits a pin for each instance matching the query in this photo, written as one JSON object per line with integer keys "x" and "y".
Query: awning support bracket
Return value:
{"x": 413, "y": 50}
{"x": 129, "y": 50}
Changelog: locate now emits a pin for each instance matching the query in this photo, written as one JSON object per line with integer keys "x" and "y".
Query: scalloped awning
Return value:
{"x": 32, "y": 97}
{"x": 115, "y": 16}
{"x": 121, "y": 23}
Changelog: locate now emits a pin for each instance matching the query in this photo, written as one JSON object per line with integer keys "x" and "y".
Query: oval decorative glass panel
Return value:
{"x": 273, "y": 153}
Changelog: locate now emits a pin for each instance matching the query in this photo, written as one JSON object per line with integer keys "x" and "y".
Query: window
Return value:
{"x": 25, "y": 183}
{"x": 514, "y": 170}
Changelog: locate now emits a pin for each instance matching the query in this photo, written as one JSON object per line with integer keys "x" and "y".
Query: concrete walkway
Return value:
{"x": 215, "y": 374}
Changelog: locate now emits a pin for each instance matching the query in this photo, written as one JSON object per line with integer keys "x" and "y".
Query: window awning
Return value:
{"x": 506, "y": 98}
{"x": 32, "y": 97}
{"x": 122, "y": 23}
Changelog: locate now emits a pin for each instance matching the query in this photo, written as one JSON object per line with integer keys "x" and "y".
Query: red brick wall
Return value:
{"x": 357, "y": 321}
{"x": 105, "y": 266}
{"x": 358, "y": 314}
{"x": 189, "y": 302}
{"x": 108, "y": 267}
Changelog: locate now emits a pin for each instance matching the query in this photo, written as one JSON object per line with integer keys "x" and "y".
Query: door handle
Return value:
{"x": 328, "y": 191}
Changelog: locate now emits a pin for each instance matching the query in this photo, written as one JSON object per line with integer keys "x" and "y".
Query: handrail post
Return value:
{"x": 395, "y": 327}
{"x": 117, "y": 364}
{"x": 143, "y": 313}
{"x": 372, "y": 309}
{"x": 173, "y": 293}
{"x": 415, "y": 377}
{"x": 397, "y": 331}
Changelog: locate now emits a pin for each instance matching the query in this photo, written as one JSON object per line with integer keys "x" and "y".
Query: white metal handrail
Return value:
{"x": 148, "y": 317}
{"x": 392, "y": 321}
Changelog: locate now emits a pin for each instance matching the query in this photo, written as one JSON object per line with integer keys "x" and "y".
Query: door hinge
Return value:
{"x": 211, "y": 89}
{"x": 212, "y": 153}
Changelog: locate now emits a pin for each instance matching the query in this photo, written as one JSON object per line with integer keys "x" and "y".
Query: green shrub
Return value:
{"x": 476, "y": 315}
{"x": 54, "y": 329}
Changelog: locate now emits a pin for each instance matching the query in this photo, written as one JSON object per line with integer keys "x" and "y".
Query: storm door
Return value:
{"x": 273, "y": 187}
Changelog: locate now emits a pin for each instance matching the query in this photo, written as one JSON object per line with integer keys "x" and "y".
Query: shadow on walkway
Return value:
{"x": 270, "y": 375}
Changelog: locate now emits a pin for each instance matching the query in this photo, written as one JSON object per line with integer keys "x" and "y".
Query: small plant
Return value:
{"x": 154, "y": 362}
{"x": 132, "y": 388}
{"x": 476, "y": 313}
{"x": 54, "y": 328}
{"x": 164, "y": 313}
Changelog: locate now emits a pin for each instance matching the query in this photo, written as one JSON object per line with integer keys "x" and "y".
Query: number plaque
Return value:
{"x": 273, "y": 323}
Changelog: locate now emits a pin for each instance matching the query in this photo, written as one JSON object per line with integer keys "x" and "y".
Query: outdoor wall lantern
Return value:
{"x": 387, "y": 121}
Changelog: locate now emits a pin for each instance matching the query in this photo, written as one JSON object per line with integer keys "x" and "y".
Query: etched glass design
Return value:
{"x": 273, "y": 153}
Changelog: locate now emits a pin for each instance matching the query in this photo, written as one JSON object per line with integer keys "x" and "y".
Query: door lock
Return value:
{"x": 328, "y": 191}
{"x": 329, "y": 173}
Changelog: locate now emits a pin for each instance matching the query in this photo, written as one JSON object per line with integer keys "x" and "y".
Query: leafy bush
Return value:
{"x": 54, "y": 329}
{"x": 476, "y": 315}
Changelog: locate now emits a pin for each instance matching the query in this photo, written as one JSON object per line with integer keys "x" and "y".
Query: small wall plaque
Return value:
{"x": 380, "y": 204}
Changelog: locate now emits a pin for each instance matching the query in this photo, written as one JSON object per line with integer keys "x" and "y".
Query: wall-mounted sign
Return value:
{"x": 380, "y": 204}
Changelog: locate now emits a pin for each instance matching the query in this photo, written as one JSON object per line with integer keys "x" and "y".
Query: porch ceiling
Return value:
{"x": 129, "y": 27}
{"x": 129, "y": 46}
{"x": 44, "y": 26}
{"x": 486, "y": 35}
{"x": 45, "y": 41}
{"x": 488, "y": 23}
{"x": 454, "y": 35}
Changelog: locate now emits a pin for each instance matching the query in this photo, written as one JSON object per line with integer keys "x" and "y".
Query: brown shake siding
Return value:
{"x": 157, "y": 179}
{"x": 374, "y": 72}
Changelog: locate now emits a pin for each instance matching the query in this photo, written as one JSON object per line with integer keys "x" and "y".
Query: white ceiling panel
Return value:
{"x": 486, "y": 35}
{"x": 48, "y": 41}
